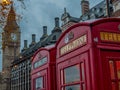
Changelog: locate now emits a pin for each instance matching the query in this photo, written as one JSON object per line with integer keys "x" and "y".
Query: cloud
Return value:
{"x": 38, "y": 14}
{"x": 58, "y": 3}
{"x": 42, "y": 12}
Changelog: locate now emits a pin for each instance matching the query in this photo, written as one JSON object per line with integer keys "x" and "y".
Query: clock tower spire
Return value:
{"x": 10, "y": 46}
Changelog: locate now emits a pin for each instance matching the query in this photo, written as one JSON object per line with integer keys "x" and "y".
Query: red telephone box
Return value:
{"x": 88, "y": 56}
{"x": 43, "y": 74}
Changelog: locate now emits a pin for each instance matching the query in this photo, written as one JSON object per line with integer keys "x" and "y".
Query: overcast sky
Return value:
{"x": 38, "y": 13}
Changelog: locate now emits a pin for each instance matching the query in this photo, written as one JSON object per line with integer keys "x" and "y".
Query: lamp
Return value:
{"x": 5, "y": 2}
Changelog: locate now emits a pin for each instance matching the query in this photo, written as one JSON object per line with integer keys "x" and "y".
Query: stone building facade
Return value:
{"x": 67, "y": 20}
{"x": 116, "y": 8}
{"x": 98, "y": 11}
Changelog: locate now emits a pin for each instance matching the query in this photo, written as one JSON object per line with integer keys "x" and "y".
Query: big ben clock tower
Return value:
{"x": 10, "y": 46}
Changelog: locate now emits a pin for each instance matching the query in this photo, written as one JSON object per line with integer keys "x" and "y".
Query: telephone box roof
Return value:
{"x": 47, "y": 48}
{"x": 90, "y": 23}
{"x": 98, "y": 21}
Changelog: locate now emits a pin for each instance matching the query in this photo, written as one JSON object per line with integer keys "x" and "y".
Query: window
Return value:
{"x": 72, "y": 74}
{"x": 118, "y": 69}
{"x": 40, "y": 62}
{"x": 92, "y": 16}
{"x": 98, "y": 10}
{"x": 39, "y": 83}
{"x": 73, "y": 77}
{"x": 114, "y": 66}
{"x": 73, "y": 87}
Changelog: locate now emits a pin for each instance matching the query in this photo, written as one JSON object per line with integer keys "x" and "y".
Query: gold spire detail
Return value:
{"x": 11, "y": 23}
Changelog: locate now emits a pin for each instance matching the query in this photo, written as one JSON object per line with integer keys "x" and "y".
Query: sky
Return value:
{"x": 38, "y": 13}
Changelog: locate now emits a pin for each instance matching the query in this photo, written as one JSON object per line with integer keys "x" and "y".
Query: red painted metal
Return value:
{"x": 102, "y": 46}
{"x": 43, "y": 75}
{"x": 87, "y": 57}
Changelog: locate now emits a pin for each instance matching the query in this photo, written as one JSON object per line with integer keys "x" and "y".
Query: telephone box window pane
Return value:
{"x": 39, "y": 83}
{"x": 83, "y": 72}
{"x": 118, "y": 68}
{"x": 111, "y": 65}
{"x": 72, "y": 74}
{"x": 73, "y": 87}
{"x": 113, "y": 86}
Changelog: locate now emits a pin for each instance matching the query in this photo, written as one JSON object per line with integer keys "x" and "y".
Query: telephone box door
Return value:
{"x": 111, "y": 69}
{"x": 71, "y": 73}
{"x": 40, "y": 80}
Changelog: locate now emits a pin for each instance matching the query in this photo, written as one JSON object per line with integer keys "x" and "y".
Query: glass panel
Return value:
{"x": 83, "y": 72}
{"x": 111, "y": 64}
{"x": 113, "y": 86}
{"x": 73, "y": 87}
{"x": 39, "y": 83}
{"x": 40, "y": 62}
{"x": 72, "y": 74}
{"x": 118, "y": 68}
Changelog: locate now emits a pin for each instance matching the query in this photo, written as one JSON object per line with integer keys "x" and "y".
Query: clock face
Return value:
{"x": 13, "y": 36}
